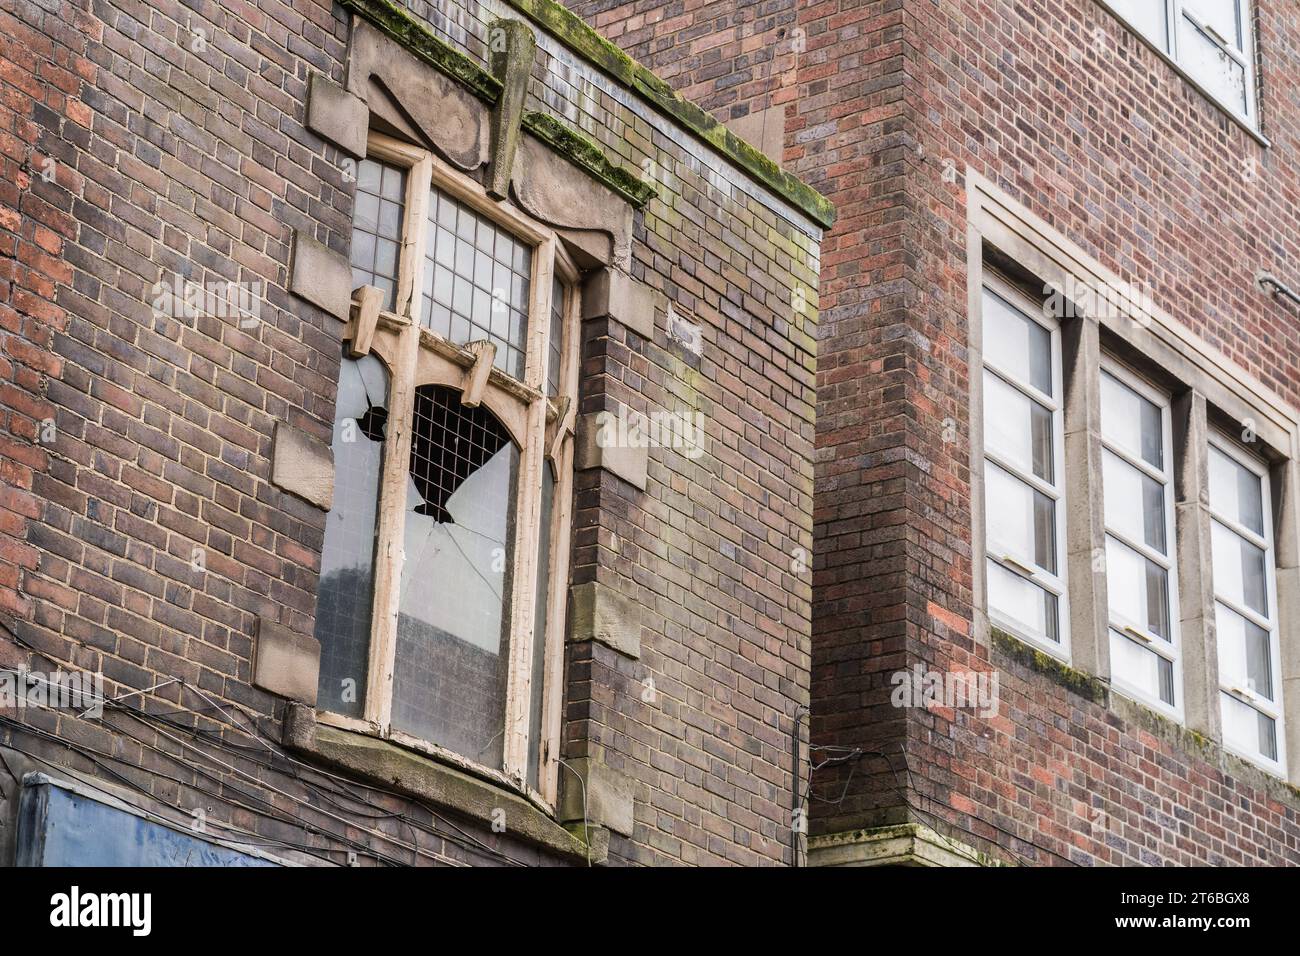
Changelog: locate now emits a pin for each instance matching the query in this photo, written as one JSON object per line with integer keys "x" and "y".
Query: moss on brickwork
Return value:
{"x": 570, "y": 30}
{"x": 1061, "y": 673}
{"x": 586, "y": 153}
{"x": 573, "y": 33}
{"x": 421, "y": 41}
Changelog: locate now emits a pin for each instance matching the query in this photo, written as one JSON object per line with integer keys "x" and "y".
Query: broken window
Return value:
{"x": 446, "y": 555}
{"x": 347, "y": 575}
{"x": 453, "y": 632}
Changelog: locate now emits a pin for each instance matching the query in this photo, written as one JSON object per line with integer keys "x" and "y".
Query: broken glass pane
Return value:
{"x": 343, "y": 607}
{"x": 453, "y": 626}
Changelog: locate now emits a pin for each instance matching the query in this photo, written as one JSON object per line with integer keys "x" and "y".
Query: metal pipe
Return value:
{"x": 795, "y": 804}
{"x": 1276, "y": 288}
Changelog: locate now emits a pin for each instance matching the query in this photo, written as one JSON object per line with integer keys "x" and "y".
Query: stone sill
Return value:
{"x": 381, "y": 763}
{"x": 904, "y": 844}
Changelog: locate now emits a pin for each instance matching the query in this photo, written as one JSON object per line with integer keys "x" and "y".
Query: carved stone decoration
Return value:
{"x": 587, "y": 213}
{"x": 512, "y": 48}
{"x": 446, "y": 114}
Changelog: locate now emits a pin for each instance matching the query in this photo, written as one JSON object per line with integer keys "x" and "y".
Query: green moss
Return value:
{"x": 417, "y": 38}
{"x": 1072, "y": 680}
{"x": 584, "y": 152}
{"x": 570, "y": 30}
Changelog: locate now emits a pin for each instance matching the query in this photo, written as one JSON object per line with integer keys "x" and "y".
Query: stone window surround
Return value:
{"x": 1208, "y": 392}
{"x": 542, "y": 427}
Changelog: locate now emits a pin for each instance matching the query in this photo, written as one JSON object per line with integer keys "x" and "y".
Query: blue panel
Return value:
{"x": 60, "y": 827}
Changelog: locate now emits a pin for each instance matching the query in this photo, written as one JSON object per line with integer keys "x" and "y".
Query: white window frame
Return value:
{"x": 541, "y": 426}
{"x": 1171, "y": 650}
{"x": 1176, "y": 10}
{"x": 1273, "y": 708}
{"x": 1054, "y": 583}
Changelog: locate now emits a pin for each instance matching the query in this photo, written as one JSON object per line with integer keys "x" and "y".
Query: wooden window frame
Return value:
{"x": 542, "y": 428}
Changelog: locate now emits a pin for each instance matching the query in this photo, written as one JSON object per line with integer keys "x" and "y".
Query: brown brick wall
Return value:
{"x": 177, "y": 153}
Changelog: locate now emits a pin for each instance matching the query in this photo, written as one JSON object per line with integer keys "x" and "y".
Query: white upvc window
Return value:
{"x": 1024, "y": 480}
{"x": 1245, "y": 604}
{"x": 444, "y": 567}
{"x": 1211, "y": 40}
{"x": 1141, "y": 577}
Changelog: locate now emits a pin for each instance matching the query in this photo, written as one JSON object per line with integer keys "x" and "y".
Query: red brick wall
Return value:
{"x": 1062, "y": 107}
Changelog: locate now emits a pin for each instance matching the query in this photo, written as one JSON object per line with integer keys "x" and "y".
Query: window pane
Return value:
{"x": 1239, "y": 572}
{"x": 1138, "y": 589}
{"x": 377, "y": 227}
{"x": 1220, "y": 14}
{"x": 1023, "y": 603}
{"x": 1211, "y": 66}
{"x": 1141, "y": 668}
{"x": 475, "y": 282}
{"x": 1017, "y": 428}
{"x": 1148, "y": 17}
{"x": 1247, "y": 729}
{"x": 1236, "y": 492}
{"x": 1021, "y": 520}
{"x": 539, "y": 629}
{"x": 453, "y": 627}
{"x": 1134, "y": 502}
{"x": 556, "y": 344}
{"x": 1131, "y": 422}
{"x": 1245, "y": 658}
{"x": 1016, "y": 344}
{"x": 345, "y": 596}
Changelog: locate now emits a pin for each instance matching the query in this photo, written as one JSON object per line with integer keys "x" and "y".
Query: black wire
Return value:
{"x": 460, "y": 838}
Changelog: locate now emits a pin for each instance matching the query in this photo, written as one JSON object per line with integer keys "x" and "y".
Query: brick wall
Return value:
{"x": 1063, "y": 108}
{"x": 140, "y": 536}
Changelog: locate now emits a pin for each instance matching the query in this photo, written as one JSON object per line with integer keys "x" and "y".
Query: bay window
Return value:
{"x": 444, "y": 565}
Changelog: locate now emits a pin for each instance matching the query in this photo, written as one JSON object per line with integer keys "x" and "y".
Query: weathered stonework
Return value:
{"x": 599, "y": 795}
{"x": 302, "y": 465}
{"x": 321, "y": 276}
{"x": 595, "y": 449}
{"x": 286, "y": 663}
{"x": 598, "y": 613}
{"x": 609, "y": 293}
{"x": 337, "y": 115}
